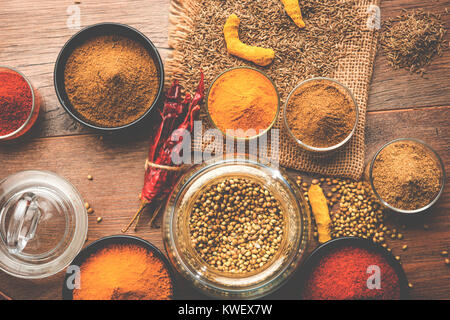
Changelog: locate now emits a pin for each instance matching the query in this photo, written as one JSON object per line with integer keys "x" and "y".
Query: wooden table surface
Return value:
{"x": 31, "y": 35}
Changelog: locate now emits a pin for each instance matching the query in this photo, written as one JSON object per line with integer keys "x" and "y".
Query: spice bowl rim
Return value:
{"x": 87, "y": 32}
{"x": 262, "y": 132}
{"x": 95, "y": 246}
{"x": 33, "y": 106}
{"x": 307, "y": 266}
{"x": 320, "y": 150}
{"x": 402, "y": 212}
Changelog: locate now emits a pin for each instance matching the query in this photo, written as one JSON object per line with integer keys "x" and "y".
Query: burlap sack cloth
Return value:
{"x": 354, "y": 71}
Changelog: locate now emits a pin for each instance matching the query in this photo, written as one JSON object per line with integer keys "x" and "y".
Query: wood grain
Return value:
{"x": 400, "y": 105}
{"x": 116, "y": 163}
{"x": 33, "y": 49}
{"x": 394, "y": 89}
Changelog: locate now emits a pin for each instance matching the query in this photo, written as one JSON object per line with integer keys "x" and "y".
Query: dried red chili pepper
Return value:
{"x": 160, "y": 173}
{"x": 15, "y": 102}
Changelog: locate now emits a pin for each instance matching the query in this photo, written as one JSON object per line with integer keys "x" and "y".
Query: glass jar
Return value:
{"x": 251, "y": 285}
{"x": 43, "y": 224}
{"x": 34, "y": 113}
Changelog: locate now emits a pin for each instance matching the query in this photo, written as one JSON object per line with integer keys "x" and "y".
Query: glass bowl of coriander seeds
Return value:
{"x": 407, "y": 176}
{"x": 236, "y": 229}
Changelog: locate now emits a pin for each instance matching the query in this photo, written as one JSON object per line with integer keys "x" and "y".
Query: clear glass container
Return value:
{"x": 433, "y": 155}
{"x": 251, "y": 285}
{"x": 34, "y": 113}
{"x": 43, "y": 224}
{"x": 316, "y": 150}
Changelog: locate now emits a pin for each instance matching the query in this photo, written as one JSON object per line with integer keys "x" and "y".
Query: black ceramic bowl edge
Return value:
{"x": 92, "y": 248}
{"x": 307, "y": 266}
{"x": 77, "y": 39}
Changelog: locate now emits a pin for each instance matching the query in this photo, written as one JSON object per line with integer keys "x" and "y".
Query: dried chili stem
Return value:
{"x": 137, "y": 215}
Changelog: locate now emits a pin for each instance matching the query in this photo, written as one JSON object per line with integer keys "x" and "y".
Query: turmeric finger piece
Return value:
{"x": 257, "y": 55}
{"x": 292, "y": 8}
{"x": 319, "y": 208}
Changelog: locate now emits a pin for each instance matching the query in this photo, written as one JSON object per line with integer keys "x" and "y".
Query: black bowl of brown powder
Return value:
{"x": 407, "y": 176}
{"x": 109, "y": 76}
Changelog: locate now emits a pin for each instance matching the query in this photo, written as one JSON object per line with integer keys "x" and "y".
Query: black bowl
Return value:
{"x": 97, "y": 30}
{"x": 309, "y": 264}
{"x": 67, "y": 294}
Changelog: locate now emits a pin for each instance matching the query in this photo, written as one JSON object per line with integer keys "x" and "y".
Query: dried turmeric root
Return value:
{"x": 292, "y": 8}
{"x": 257, "y": 55}
{"x": 319, "y": 208}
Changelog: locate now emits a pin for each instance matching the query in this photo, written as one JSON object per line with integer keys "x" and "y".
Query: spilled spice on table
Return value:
{"x": 413, "y": 39}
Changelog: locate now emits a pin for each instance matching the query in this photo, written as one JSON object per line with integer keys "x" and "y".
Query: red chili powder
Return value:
{"x": 342, "y": 275}
{"x": 15, "y": 101}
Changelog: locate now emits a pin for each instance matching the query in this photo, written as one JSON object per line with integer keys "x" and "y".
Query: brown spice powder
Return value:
{"x": 111, "y": 80}
{"x": 406, "y": 175}
{"x": 321, "y": 113}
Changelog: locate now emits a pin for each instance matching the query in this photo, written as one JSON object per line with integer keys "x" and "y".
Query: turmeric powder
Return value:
{"x": 292, "y": 8}
{"x": 243, "y": 98}
{"x": 257, "y": 55}
{"x": 124, "y": 272}
{"x": 321, "y": 213}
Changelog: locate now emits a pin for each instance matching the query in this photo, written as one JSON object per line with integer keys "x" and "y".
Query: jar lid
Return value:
{"x": 43, "y": 224}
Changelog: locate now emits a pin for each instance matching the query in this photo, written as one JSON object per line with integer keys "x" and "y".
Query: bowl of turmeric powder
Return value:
{"x": 243, "y": 103}
{"x": 119, "y": 268}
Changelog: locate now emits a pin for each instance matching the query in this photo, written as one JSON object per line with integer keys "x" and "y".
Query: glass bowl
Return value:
{"x": 43, "y": 224}
{"x": 313, "y": 149}
{"x": 442, "y": 179}
{"x": 258, "y": 134}
{"x": 210, "y": 281}
{"x": 34, "y": 113}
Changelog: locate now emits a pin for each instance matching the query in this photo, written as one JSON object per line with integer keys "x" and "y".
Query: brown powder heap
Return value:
{"x": 406, "y": 175}
{"x": 321, "y": 113}
{"x": 413, "y": 39}
{"x": 111, "y": 80}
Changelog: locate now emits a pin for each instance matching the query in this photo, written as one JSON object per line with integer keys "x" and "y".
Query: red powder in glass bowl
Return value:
{"x": 342, "y": 274}
{"x": 16, "y": 101}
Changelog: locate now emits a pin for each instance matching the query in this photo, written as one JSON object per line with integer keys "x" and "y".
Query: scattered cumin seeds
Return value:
{"x": 413, "y": 39}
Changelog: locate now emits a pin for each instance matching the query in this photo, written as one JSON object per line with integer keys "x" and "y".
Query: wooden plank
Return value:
{"x": 115, "y": 196}
{"x": 393, "y": 89}
{"x": 33, "y": 49}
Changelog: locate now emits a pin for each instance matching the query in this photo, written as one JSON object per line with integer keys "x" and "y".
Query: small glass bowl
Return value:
{"x": 210, "y": 281}
{"x": 313, "y": 149}
{"x": 32, "y": 117}
{"x": 442, "y": 180}
{"x": 262, "y": 132}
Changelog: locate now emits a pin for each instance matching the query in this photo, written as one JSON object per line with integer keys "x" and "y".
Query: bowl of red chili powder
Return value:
{"x": 19, "y": 106}
{"x": 119, "y": 268}
{"x": 352, "y": 268}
